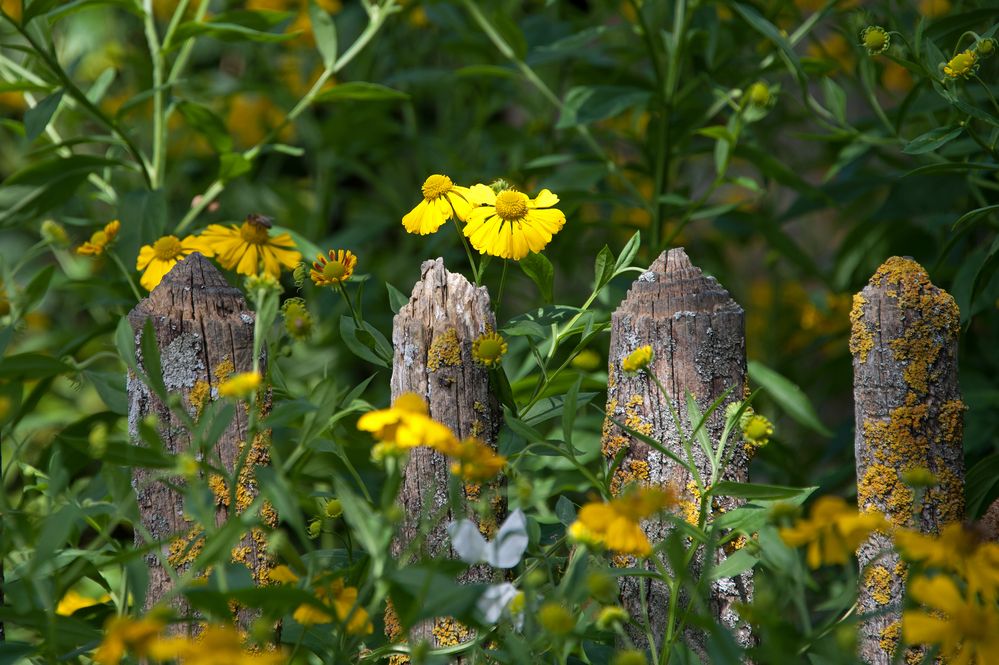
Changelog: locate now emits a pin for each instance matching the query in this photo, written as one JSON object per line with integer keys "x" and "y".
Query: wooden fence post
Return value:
{"x": 432, "y": 336}
{"x": 908, "y": 416}
{"x": 697, "y": 335}
{"x": 204, "y": 332}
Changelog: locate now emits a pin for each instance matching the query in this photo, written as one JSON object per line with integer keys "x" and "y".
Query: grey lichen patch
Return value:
{"x": 182, "y": 362}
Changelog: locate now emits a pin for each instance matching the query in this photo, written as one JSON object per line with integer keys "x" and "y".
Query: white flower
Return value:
{"x": 495, "y": 599}
{"x": 504, "y": 551}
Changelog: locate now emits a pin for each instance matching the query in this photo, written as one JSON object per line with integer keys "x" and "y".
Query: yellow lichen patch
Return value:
{"x": 612, "y": 445}
{"x": 184, "y": 549}
{"x": 881, "y": 488}
{"x": 878, "y": 581}
{"x": 224, "y": 370}
{"x": 393, "y": 629}
{"x": 241, "y": 554}
{"x": 861, "y": 339}
{"x": 638, "y": 423}
{"x": 690, "y": 506}
{"x": 932, "y": 319}
{"x": 246, "y": 484}
{"x": 449, "y": 633}
{"x": 221, "y": 491}
{"x": 951, "y": 421}
{"x": 622, "y": 561}
{"x": 478, "y": 428}
{"x": 634, "y": 471}
{"x": 268, "y": 515}
{"x": 734, "y": 545}
{"x": 947, "y": 497}
{"x": 488, "y": 526}
{"x": 473, "y": 491}
{"x": 445, "y": 351}
{"x": 890, "y": 637}
{"x": 479, "y": 407}
{"x": 198, "y": 396}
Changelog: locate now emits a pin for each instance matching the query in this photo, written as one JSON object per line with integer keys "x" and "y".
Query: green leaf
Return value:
{"x": 228, "y": 32}
{"x": 324, "y": 31}
{"x": 37, "y": 119}
{"x": 770, "y": 31}
{"x": 361, "y": 91}
{"x": 603, "y": 268}
{"x": 734, "y": 564}
{"x": 788, "y": 396}
{"x": 982, "y": 485}
{"x": 835, "y": 99}
{"x": 397, "y": 299}
{"x": 931, "y": 140}
{"x": 541, "y": 272}
{"x": 753, "y": 491}
{"x": 232, "y": 165}
{"x": 588, "y": 104}
{"x": 628, "y": 253}
{"x": 37, "y": 288}
{"x": 423, "y": 591}
{"x": 204, "y": 121}
{"x": 31, "y": 366}
{"x": 366, "y": 342}
{"x": 124, "y": 340}
{"x": 569, "y": 412}
{"x": 969, "y": 217}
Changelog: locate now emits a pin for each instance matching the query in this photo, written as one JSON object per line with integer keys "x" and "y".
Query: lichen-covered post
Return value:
{"x": 697, "y": 335}
{"x": 432, "y": 336}
{"x": 204, "y": 333}
{"x": 908, "y": 417}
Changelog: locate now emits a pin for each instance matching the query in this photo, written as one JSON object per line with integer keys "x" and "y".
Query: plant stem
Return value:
{"x": 127, "y": 275}
{"x": 159, "y": 114}
{"x": 499, "y": 292}
{"x": 350, "y": 305}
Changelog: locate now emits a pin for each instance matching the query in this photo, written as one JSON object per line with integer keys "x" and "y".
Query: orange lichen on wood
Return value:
{"x": 445, "y": 351}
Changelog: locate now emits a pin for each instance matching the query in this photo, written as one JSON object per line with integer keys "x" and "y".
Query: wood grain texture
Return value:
{"x": 697, "y": 335}
{"x": 432, "y": 337}
{"x": 204, "y": 332}
{"x": 909, "y": 415}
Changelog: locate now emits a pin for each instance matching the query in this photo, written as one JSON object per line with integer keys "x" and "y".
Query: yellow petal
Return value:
{"x": 146, "y": 255}
{"x": 545, "y": 199}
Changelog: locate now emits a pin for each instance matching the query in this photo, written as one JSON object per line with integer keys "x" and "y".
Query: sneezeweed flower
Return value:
{"x": 406, "y": 424}
{"x": 759, "y": 95}
{"x": 216, "y": 644}
{"x": 297, "y": 319}
{"x": 637, "y": 359}
{"x": 160, "y": 257}
{"x": 489, "y": 348}
{"x": 965, "y": 629}
{"x": 333, "y": 509}
{"x": 123, "y": 634}
{"x": 956, "y": 549}
{"x": 241, "y": 385}
{"x": 250, "y": 247}
{"x": 473, "y": 460}
{"x": 74, "y": 601}
{"x": 875, "y": 39}
{"x": 509, "y": 224}
{"x": 611, "y": 616}
{"x": 961, "y": 65}
{"x": 334, "y": 270}
{"x": 616, "y": 524}
{"x": 756, "y": 429}
{"x": 442, "y": 199}
{"x": 263, "y": 282}
{"x": 985, "y": 48}
{"x": 343, "y": 600}
{"x": 100, "y": 240}
{"x": 832, "y": 532}
{"x": 934, "y": 8}
{"x": 54, "y": 234}
{"x": 586, "y": 360}
{"x": 556, "y": 619}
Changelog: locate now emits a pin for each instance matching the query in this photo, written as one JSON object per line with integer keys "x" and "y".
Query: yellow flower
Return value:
{"x": 612, "y": 615}
{"x": 957, "y": 549}
{"x": 637, "y": 359}
{"x": 248, "y": 246}
{"x": 629, "y": 657}
{"x": 616, "y": 524}
{"x": 336, "y": 270}
{"x": 74, "y": 601}
{"x": 160, "y": 257}
{"x": 215, "y": 645}
{"x": 344, "y": 602}
{"x": 759, "y": 94}
{"x": 489, "y": 348}
{"x": 587, "y": 360}
{"x": 241, "y": 385}
{"x": 509, "y": 224}
{"x": 282, "y": 575}
{"x": 875, "y": 39}
{"x": 122, "y": 633}
{"x": 756, "y": 429}
{"x": 405, "y": 425}
{"x": 474, "y": 460}
{"x": 963, "y": 65}
{"x": 442, "y": 199}
{"x": 966, "y": 630}
{"x": 833, "y": 531}
{"x": 100, "y": 240}
{"x": 934, "y": 8}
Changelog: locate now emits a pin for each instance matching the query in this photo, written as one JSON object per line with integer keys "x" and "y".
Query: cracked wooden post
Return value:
{"x": 697, "y": 335}
{"x": 909, "y": 416}
{"x": 432, "y": 336}
{"x": 204, "y": 332}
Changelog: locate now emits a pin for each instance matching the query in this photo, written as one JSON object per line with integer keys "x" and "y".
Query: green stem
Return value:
{"x": 377, "y": 16}
{"x": 81, "y": 98}
{"x": 468, "y": 248}
{"x": 126, "y": 273}
{"x": 499, "y": 292}
{"x": 159, "y": 116}
{"x": 350, "y": 305}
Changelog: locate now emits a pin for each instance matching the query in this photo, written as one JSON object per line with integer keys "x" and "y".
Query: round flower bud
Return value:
{"x": 556, "y": 619}
{"x": 875, "y": 39}
{"x": 54, "y": 234}
{"x": 611, "y": 616}
{"x": 629, "y": 657}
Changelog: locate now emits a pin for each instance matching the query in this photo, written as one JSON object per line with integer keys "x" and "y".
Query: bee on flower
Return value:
{"x": 249, "y": 247}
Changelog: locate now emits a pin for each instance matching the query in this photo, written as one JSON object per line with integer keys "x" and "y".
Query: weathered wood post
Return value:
{"x": 204, "y": 332}
{"x": 432, "y": 336}
{"x": 697, "y": 335}
{"x": 908, "y": 416}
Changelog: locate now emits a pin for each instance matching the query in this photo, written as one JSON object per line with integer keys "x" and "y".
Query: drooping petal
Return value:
{"x": 482, "y": 195}
{"x": 146, "y": 255}
{"x": 545, "y": 199}
{"x": 551, "y": 221}
{"x": 248, "y": 262}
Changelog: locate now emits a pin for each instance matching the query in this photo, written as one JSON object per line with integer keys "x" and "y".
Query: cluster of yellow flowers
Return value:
{"x": 335, "y": 594}
{"x": 146, "y": 639}
{"x": 100, "y": 240}
{"x": 616, "y": 524}
{"x": 955, "y": 582}
{"x": 965, "y": 64}
{"x": 499, "y": 221}
{"x": 406, "y": 424}
{"x": 248, "y": 248}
